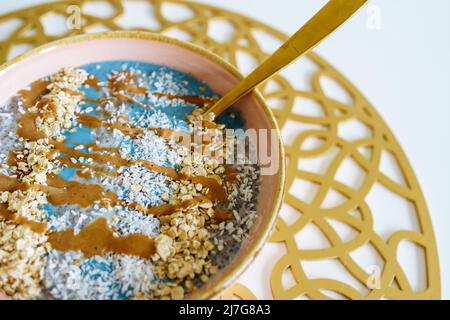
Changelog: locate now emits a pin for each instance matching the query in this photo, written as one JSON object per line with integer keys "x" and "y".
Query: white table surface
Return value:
{"x": 403, "y": 68}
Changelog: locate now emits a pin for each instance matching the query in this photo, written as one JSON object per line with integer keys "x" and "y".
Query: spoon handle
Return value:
{"x": 323, "y": 23}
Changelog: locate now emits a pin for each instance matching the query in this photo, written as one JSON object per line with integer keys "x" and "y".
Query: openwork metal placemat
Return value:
{"x": 353, "y": 206}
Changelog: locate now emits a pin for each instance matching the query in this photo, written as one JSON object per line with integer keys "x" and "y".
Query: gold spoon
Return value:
{"x": 322, "y": 24}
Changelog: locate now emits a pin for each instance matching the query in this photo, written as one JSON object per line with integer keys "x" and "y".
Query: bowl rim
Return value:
{"x": 258, "y": 242}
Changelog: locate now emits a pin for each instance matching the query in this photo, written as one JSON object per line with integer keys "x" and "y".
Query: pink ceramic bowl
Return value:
{"x": 157, "y": 49}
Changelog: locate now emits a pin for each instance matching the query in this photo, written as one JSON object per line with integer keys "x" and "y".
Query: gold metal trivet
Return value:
{"x": 323, "y": 126}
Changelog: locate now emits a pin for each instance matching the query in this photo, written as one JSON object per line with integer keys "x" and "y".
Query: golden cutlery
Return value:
{"x": 322, "y": 24}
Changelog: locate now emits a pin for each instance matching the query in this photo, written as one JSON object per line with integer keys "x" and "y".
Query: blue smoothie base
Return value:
{"x": 95, "y": 267}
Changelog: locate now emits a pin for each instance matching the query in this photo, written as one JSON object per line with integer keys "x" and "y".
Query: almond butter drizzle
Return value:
{"x": 86, "y": 170}
{"x": 32, "y": 95}
{"x": 125, "y": 81}
{"x": 197, "y": 100}
{"x": 216, "y": 192}
{"x": 12, "y": 159}
{"x": 60, "y": 191}
{"x": 94, "y": 147}
{"x": 94, "y": 122}
{"x": 231, "y": 175}
{"x": 34, "y": 226}
{"x": 97, "y": 239}
{"x": 27, "y": 127}
{"x": 11, "y": 184}
{"x": 125, "y": 97}
{"x": 221, "y": 214}
{"x": 93, "y": 82}
{"x": 168, "y": 208}
{"x": 127, "y": 129}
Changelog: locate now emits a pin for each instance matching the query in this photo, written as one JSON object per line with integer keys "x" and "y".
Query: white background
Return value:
{"x": 403, "y": 69}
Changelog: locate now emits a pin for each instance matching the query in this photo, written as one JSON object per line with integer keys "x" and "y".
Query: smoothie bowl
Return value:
{"x": 114, "y": 182}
